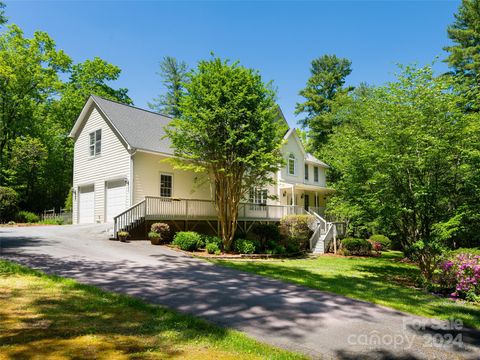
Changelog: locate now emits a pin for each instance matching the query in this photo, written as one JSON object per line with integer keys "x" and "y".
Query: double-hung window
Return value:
{"x": 292, "y": 164}
{"x": 306, "y": 172}
{"x": 96, "y": 142}
{"x": 315, "y": 174}
{"x": 258, "y": 198}
{"x": 166, "y": 185}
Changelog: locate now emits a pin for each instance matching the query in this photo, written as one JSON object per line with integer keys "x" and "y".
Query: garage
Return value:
{"x": 116, "y": 198}
{"x": 86, "y": 204}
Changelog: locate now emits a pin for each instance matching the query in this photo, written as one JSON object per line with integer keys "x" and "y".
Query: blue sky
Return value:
{"x": 278, "y": 38}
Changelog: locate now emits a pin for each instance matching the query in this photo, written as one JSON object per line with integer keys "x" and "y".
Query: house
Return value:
{"x": 120, "y": 173}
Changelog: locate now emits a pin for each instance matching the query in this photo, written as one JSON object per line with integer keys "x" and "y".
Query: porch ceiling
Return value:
{"x": 306, "y": 187}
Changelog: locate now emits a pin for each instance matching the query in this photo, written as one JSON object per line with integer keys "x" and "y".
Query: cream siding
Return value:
{"x": 146, "y": 179}
{"x": 293, "y": 146}
{"x": 112, "y": 163}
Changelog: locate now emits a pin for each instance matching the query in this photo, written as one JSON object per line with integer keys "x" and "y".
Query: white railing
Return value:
{"x": 161, "y": 208}
{"x": 129, "y": 217}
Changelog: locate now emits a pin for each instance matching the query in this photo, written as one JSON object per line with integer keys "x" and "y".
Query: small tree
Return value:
{"x": 228, "y": 129}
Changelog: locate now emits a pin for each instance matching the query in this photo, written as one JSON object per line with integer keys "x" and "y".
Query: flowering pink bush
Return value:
{"x": 462, "y": 275}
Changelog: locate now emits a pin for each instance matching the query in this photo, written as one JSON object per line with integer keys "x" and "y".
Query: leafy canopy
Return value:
{"x": 228, "y": 129}
{"x": 327, "y": 78}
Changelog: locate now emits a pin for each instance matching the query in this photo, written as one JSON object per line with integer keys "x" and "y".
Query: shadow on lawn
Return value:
{"x": 280, "y": 313}
{"x": 80, "y": 321}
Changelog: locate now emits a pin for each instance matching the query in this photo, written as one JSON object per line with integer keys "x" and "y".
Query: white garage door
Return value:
{"x": 116, "y": 198}
{"x": 86, "y": 205}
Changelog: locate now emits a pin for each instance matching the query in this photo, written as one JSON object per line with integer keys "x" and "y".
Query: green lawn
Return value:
{"x": 50, "y": 317}
{"x": 382, "y": 280}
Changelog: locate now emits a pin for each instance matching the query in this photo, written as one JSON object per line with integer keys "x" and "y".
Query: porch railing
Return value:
{"x": 161, "y": 208}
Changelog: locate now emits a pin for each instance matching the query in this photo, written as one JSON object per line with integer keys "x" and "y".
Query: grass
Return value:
{"x": 44, "y": 316}
{"x": 381, "y": 280}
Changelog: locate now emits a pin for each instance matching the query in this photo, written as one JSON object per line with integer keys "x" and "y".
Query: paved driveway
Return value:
{"x": 319, "y": 324}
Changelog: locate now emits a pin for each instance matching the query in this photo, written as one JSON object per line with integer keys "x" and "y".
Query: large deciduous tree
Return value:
{"x": 327, "y": 78}
{"x": 409, "y": 160}
{"x": 29, "y": 76}
{"x": 464, "y": 53}
{"x": 229, "y": 129}
{"x": 174, "y": 75}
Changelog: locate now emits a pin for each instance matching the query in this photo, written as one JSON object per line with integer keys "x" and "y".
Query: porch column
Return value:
{"x": 316, "y": 199}
{"x": 293, "y": 195}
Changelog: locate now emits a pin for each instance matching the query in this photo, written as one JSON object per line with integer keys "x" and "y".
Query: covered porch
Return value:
{"x": 307, "y": 196}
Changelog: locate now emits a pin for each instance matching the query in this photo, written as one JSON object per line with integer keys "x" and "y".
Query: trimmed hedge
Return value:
{"x": 187, "y": 240}
{"x": 212, "y": 248}
{"x": 355, "y": 246}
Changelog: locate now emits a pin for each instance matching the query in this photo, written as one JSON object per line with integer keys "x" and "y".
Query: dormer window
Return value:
{"x": 96, "y": 142}
{"x": 292, "y": 165}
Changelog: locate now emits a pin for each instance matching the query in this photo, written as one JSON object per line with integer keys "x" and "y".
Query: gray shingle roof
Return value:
{"x": 313, "y": 159}
{"x": 141, "y": 129}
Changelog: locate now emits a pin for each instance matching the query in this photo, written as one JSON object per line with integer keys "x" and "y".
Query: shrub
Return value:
{"x": 187, "y": 240}
{"x": 208, "y": 239}
{"x": 267, "y": 234}
{"x": 8, "y": 204}
{"x": 218, "y": 252}
{"x": 212, "y": 248}
{"x": 27, "y": 217}
{"x": 162, "y": 229}
{"x": 355, "y": 246}
{"x": 245, "y": 246}
{"x": 462, "y": 276}
{"x": 382, "y": 240}
{"x": 427, "y": 255}
{"x": 296, "y": 229}
{"x": 54, "y": 221}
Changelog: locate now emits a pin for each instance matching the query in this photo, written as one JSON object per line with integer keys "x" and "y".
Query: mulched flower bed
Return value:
{"x": 232, "y": 256}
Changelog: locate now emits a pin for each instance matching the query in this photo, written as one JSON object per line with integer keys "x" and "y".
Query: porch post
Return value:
{"x": 293, "y": 195}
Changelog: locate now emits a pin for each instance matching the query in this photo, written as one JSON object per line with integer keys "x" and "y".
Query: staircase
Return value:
{"x": 323, "y": 233}
{"x": 130, "y": 218}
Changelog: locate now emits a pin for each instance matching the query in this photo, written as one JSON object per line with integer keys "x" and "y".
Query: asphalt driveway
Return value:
{"x": 316, "y": 323}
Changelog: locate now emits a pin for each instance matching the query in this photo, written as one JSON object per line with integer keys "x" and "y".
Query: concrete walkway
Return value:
{"x": 316, "y": 323}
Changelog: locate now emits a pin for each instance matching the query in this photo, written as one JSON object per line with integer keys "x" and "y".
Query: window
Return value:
{"x": 96, "y": 142}
{"x": 315, "y": 173}
{"x": 166, "y": 182}
{"x": 306, "y": 171}
{"x": 291, "y": 164}
{"x": 257, "y": 198}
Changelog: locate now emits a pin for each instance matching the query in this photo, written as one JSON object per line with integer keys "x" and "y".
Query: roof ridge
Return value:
{"x": 132, "y": 106}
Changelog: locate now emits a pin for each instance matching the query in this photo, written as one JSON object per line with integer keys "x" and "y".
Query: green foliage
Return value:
{"x": 123, "y": 234}
{"x": 405, "y": 157}
{"x": 54, "y": 221}
{"x": 464, "y": 55}
{"x": 296, "y": 229}
{"x": 8, "y": 204}
{"x": 356, "y": 246}
{"x": 187, "y": 240}
{"x": 212, "y": 248}
{"x": 3, "y": 18}
{"x": 427, "y": 255}
{"x": 42, "y": 93}
{"x": 174, "y": 75}
{"x": 207, "y": 239}
{"x": 328, "y": 74}
{"x": 27, "y": 217}
{"x": 383, "y": 240}
{"x": 69, "y": 201}
{"x": 230, "y": 132}
{"x": 267, "y": 234}
{"x": 245, "y": 246}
